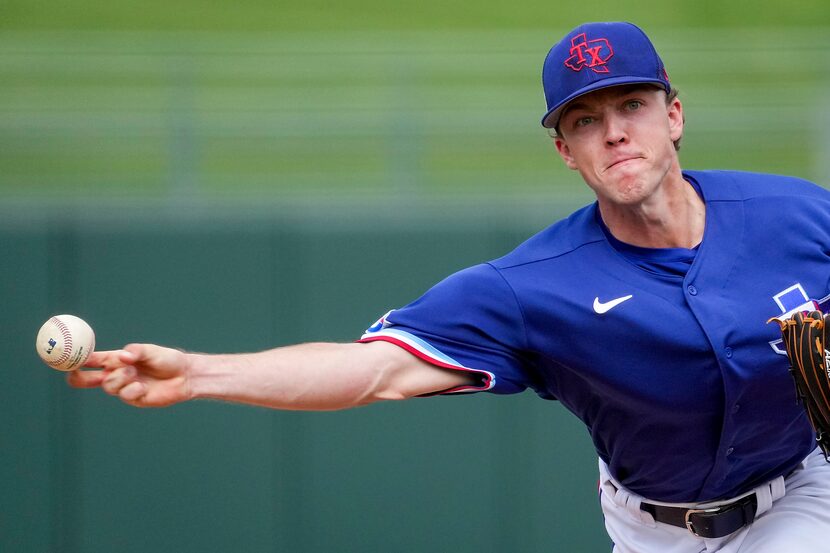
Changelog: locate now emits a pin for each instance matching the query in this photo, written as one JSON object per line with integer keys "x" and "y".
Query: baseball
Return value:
{"x": 65, "y": 342}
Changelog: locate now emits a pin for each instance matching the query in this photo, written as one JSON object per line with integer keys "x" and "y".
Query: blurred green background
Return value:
{"x": 428, "y": 101}
{"x": 226, "y": 176}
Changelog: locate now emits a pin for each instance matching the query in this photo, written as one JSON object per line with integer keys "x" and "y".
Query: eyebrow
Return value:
{"x": 624, "y": 90}
{"x": 571, "y": 107}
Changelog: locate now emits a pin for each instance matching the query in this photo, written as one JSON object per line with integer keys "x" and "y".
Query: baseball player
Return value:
{"x": 644, "y": 313}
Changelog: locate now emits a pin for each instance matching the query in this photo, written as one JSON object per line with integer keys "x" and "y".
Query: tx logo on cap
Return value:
{"x": 593, "y": 54}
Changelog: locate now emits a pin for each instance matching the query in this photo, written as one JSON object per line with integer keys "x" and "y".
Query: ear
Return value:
{"x": 565, "y": 152}
{"x": 676, "y": 119}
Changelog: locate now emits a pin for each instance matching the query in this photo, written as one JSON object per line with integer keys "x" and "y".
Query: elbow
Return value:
{"x": 393, "y": 374}
{"x": 389, "y": 394}
{"x": 389, "y": 379}
{"x": 386, "y": 385}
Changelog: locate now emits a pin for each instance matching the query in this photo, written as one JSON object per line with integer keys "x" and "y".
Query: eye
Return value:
{"x": 633, "y": 105}
{"x": 583, "y": 121}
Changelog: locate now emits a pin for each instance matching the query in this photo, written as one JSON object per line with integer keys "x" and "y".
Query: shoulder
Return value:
{"x": 548, "y": 256}
{"x": 743, "y": 186}
{"x": 561, "y": 238}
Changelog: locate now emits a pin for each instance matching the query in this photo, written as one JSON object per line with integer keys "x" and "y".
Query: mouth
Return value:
{"x": 622, "y": 162}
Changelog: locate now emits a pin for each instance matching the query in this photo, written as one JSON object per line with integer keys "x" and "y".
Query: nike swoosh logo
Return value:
{"x": 604, "y": 307}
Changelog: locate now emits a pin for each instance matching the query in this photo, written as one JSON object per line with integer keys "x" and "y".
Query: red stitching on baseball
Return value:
{"x": 67, "y": 341}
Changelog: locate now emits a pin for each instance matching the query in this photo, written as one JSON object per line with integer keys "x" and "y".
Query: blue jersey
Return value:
{"x": 665, "y": 355}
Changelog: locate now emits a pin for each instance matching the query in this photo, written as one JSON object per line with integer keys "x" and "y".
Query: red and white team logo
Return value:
{"x": 593, "y": 54}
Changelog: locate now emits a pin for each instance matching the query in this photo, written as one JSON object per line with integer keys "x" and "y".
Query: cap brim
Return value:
{"x": 551, "y": 118}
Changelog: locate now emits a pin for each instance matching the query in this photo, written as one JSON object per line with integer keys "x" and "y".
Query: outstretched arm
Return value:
{"x": 315, "y": 376}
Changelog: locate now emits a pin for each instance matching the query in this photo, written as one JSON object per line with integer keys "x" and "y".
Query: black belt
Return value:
{"x": 715, "y": 522}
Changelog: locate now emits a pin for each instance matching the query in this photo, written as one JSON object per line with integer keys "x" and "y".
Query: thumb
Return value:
{"x": 154, "y": 360}
{"x": 134, "y": 353}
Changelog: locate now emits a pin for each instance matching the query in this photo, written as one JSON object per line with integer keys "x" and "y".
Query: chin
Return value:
{"x": 631, "y": 192}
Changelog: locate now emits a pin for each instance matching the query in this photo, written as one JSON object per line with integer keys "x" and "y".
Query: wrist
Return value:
{"x": 209, "y": 376}
{"x": 197, "y": 383}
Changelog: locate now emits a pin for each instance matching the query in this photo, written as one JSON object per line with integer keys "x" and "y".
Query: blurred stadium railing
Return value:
{"x": 406, "y": 116}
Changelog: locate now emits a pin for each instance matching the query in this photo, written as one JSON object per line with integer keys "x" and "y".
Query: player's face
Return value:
{"x": 620, "y": 139}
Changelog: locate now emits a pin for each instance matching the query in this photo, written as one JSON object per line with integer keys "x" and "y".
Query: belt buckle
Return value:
{"x": 690, "y": 526}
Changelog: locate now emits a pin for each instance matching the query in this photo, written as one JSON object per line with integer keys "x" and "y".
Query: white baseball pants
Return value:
{"x": 793, "y": 516}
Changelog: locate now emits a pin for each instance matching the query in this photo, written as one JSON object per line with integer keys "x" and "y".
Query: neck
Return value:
{"x": 673, "y": 217}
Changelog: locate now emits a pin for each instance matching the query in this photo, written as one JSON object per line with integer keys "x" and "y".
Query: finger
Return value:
{"x": 86, "y": 379}
{"x": 109, "y": 359}
{"x": 118, "y": 379}
{"x": 133, "y": 391}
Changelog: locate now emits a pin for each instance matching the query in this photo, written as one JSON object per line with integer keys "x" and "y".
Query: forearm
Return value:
{"x": 315, "y": 376}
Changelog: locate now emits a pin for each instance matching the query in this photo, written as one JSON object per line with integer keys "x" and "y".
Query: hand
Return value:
{"x": 143, "y": 375}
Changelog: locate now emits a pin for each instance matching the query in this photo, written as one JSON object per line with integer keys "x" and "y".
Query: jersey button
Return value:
{"x": 730, "y": 451}
{"x": 729, "y": 353}
{"x": 692, "y": 290}
{"x": 736, "y": 408}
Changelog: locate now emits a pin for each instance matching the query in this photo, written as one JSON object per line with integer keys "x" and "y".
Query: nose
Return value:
{"x": 615, "y": 132}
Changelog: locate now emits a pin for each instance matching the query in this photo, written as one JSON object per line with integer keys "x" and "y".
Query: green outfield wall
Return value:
{"x": 83, "y": 472}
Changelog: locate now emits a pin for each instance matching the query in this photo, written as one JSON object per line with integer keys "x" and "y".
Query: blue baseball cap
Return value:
{"x": 595, "y": 56}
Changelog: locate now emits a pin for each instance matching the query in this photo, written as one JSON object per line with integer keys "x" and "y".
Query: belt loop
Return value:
{"x": 778, "y": 488}
{"x": 769, "y": 492}
{"x": 623, "y": 498}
